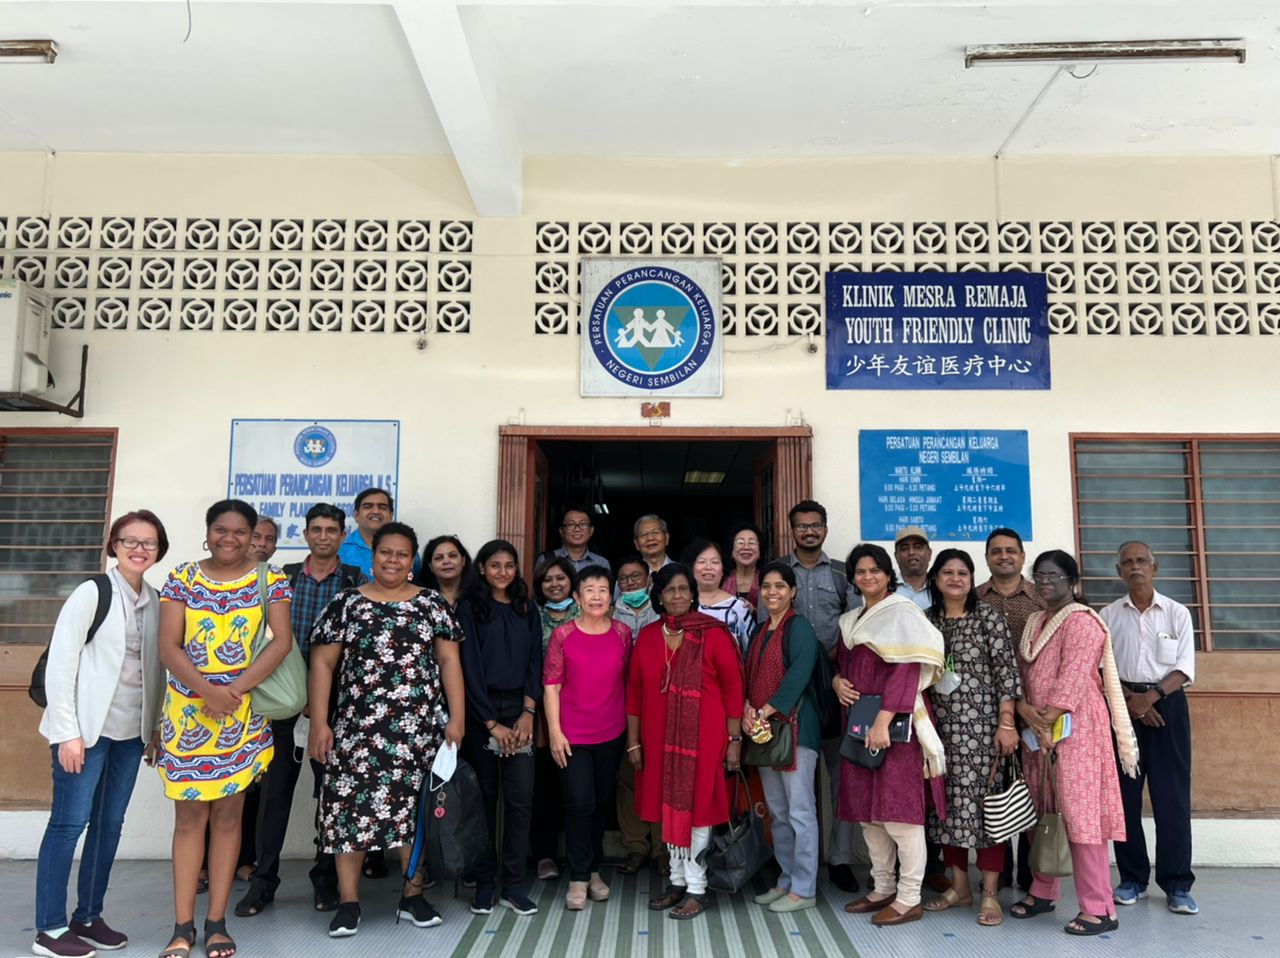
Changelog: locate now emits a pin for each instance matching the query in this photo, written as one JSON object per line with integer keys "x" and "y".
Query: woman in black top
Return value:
{"x": 502, "y": 669}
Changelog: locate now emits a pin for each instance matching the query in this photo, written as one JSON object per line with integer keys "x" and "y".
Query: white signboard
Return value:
{"x": 282, "y": 467}
{"x": 651, "y": 328}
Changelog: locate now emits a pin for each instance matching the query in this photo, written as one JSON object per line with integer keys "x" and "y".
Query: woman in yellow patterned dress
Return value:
{"x": 213, "y": 745}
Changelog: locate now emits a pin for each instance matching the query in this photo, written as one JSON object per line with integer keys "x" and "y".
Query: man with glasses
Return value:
{"x": 651, "y": 539}
{"x": 1155, "y": 655}
{"x": 1013, "y": 595}
{"x": 315, "y": 581}
{"x": 823, "y": 594}
{"x": 575, "y": 535}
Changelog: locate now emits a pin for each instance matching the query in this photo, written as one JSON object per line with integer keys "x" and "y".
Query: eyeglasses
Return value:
{"x": 631, "y": 577}
{"x": 651, "y": 534}
{"x": 809, "y": 526}
{"x": 151, "y": 545}
{"x": 741, "y": 543}
{"x": 576, "y": 525}
{"x": 1049, "y": 577}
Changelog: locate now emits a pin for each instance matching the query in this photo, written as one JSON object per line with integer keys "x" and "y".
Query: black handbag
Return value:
{"x": 737, "y": 850}
{"x": 451, "y": 836}
{"x": 778, "y": 752}
{"x": 862, "y": 715}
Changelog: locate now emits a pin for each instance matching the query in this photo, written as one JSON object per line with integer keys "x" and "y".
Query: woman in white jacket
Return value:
{"x": 104, "y": 700}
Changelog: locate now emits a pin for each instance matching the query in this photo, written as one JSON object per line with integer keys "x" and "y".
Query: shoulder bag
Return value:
{"x": 779, "y": 751}
{"x": 862, "y": 715}
{"x": 738, "y": 850}
{"x": 1050, "y": 851}
{"x": 283, "y": 693}
{"x": 1010, "y": 811}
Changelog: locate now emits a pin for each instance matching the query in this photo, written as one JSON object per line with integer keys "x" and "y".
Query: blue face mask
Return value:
{"x": 561, "y": 605}
{"x": 636, "y": 599}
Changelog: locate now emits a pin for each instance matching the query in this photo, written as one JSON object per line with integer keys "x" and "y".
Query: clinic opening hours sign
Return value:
{"x": 651, "y": 328}
{"x": 958, "y": 484}
{"x": 282, "y": 467}
{"x": 937, "y": 331}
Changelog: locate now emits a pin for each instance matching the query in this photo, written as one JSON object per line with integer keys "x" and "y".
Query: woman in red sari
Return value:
{"x": 684, "y": 728}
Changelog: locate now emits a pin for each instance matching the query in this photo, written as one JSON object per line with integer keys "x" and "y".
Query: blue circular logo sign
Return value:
{"x": 652, "y": 327}
{"x": 315, "y": 446}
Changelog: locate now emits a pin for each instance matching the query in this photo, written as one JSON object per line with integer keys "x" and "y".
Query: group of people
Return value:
{"x": 598, "y": 691}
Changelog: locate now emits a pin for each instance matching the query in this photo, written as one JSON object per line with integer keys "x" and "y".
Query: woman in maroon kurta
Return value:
{"x": 890, "y": 649}
{"x": 684, "y": 717}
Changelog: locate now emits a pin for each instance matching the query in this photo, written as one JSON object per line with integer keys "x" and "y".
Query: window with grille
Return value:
{"x": 1209, "y": 506}
{"x": 55, "y": 493}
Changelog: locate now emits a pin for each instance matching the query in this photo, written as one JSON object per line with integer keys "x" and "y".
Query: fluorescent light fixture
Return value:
{"x": 28, "y": 51}
{"x": 701, "y": 477}
{"x": 1103, "y": 51}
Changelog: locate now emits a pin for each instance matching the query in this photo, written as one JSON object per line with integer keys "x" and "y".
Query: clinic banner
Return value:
{"x": 937, "y": 331}
{"x": 282, "y": 467}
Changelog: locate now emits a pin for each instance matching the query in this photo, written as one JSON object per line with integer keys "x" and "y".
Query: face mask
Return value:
{"x": 635, "y": 599}
{"x": 561, "y": 605}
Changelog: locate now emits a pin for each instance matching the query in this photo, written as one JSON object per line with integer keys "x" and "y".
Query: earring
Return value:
{"x": 205, "y": 545}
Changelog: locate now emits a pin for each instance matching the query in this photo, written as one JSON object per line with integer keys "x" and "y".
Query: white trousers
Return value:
{"x": 890, "y": 842}
{"x": 686, "y": 873}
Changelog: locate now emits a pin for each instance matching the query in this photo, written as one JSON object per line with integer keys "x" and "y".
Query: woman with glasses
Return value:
{"x": 684, "y": 728}
{"x": 975, "y": 721}
{"x": 1059, "y": 654}
{"x": 707, "y": 562}
{"x": 743, "y": 579}
{"x": 103, "y": 707}
{"x": 213, "y": 744}
{"x": 890, "y": 649}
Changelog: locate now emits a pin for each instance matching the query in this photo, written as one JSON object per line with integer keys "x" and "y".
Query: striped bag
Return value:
{"x": 1007, "y": 812}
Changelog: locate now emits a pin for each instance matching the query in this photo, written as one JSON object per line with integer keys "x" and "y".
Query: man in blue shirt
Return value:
{"x": 315, "y": 582}
{"x": 373, "y": 508}
{"x": 911, "y": 549}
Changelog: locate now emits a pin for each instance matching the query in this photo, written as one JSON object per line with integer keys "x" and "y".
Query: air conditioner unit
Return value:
{"x": 25, "y": 315}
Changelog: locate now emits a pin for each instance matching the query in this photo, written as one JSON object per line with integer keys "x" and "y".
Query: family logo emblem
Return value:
{"x": 315, "y": 446}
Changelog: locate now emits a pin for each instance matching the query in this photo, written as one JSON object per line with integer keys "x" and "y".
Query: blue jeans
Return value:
{"x": 96, "y": 796}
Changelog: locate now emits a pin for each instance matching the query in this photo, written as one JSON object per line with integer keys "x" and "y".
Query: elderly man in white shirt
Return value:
{"x": 1155, "y": 655}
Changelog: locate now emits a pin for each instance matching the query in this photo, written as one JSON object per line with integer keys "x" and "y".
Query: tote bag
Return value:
{"x": 1050, "y": 851}
{"x": 739, "y": 849}
{"x": 283, "y": 693}
{"x": 1007, "y": 810}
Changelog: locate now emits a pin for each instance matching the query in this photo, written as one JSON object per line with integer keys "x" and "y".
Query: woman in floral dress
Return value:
{"x": 975, "y": 722}
{"x": 400, "y": 693}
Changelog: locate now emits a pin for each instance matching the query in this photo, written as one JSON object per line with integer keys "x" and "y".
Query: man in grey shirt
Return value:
{"x": 575, "y": 536}
{"x": 823, "y": 594}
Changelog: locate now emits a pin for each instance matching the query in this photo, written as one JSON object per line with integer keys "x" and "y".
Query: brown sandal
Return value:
{"x": 671, "y": 896}
{"x": 990, "y": 913}
{"x": 949, "y": 899}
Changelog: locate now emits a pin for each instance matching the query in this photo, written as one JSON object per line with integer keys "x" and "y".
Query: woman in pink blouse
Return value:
{"x": 1059, "y": 654}
{"x": 584, "y": 698}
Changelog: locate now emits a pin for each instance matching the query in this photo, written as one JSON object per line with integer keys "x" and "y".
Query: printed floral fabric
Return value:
{"x": 202, "y": 759}
{"x": 390, "y": 716}
{"x": 983, "y": 658}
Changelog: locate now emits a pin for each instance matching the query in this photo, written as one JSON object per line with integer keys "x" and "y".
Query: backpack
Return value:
{"x": 36, "y": 689}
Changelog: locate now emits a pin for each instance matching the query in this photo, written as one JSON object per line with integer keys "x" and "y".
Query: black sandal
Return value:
{"x": 375, "y": 867}
{"x": 326, "y": 899}
{"x": 699, "y": 900}
{"x": 1038, "y": 906}
{"x": 187, "y": 932}
{"x": 1104, "y": 924}
{"x": 254, "y": 902}
{"x": 224, "y": 949}
{"x": 670, "y": 897}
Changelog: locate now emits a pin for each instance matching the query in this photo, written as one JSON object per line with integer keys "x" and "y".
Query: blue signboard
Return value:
{"x": 958, "y": 484}
{"x": 937, "y": 331}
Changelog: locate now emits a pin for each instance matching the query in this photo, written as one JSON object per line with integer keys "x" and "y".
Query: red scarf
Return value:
{"x": 684, "y": 709}
{"x": 766, "y": 668}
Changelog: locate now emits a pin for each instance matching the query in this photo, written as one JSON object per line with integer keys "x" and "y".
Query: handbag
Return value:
{"x": 1011, "y": 811}
{"x": 778, "y": 752}
{"x": 451, "y": 834}
{"x": 283, "y": 693}
{"x": 1050, "y": 851}
{"x": 737, "y": 850}
{"x": 862, "y": 715}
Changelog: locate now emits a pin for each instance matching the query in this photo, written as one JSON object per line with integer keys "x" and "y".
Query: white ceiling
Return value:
{"x": 492, "y": 81}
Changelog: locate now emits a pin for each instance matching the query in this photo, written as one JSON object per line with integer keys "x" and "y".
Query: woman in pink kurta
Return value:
{"x": 1059, "y": 656}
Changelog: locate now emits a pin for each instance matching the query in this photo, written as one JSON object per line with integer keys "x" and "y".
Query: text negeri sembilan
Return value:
{"x": 935, "y": 330}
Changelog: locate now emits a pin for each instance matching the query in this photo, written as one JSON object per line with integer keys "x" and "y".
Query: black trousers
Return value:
{"x": 548, "y": 805}
{"x": 514, "y": 777}
{"x": 589, "y": 781}
{"x": 1164, "y": 757}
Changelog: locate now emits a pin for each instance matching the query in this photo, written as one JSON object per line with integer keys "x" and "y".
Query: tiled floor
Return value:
{"x": 1237, "y": 918}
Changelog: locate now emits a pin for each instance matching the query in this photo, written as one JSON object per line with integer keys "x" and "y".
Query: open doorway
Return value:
{"x": 701, "y": 480}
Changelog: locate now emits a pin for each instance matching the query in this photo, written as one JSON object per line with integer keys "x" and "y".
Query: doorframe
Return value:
{"x": 517, "y": 462}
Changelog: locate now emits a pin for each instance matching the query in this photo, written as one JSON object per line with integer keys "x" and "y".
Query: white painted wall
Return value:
{"x": 173, "y": 395}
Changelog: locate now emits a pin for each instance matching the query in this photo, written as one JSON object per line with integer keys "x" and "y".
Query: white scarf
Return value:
{"x": 896, "y": 630}
{"x": 1030, "y": 647}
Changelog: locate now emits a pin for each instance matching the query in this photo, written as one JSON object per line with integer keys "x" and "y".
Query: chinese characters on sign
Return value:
{"x": 282, "y": 467}
{"x": 957, "y": 484}
{"x": 937, "y": 331}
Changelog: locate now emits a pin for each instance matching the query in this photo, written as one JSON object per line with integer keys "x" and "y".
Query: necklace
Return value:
{"x": 668, "y": 656}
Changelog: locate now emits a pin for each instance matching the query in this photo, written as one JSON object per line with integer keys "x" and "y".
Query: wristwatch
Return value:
{"x": 530, "y": 710}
